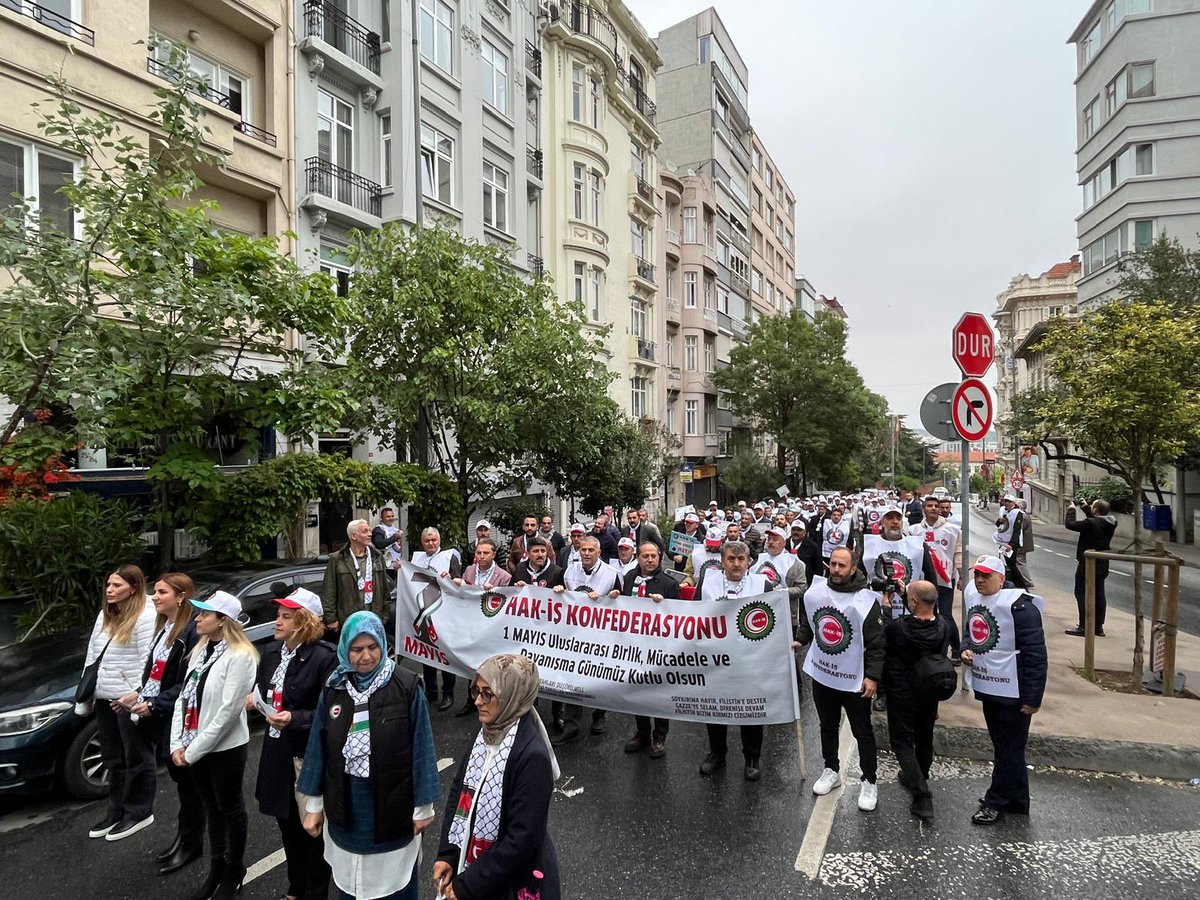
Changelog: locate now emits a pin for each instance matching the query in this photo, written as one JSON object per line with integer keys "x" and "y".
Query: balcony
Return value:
{"x": 533, "y": 59}
{"x": 739, "y": 283}
{"x": 644, "y": 189}
{"x": 645, "y": 270}
{"x": 534, "y": 161}
{"x": 326, "y": 28}
{"x": 582, "y": 18}
{"x": 740, "y": 153}
{"x": 537, "y": 266}
{"x": 739, "y": 241}
{"x": 672, "y": 306}
{"x": 674, "y": 374}
{"x": 164, "y": 71}
{"x": 255, "y": 132}
{"x": 711, "y": 440}
{"x": 324, "y": 178}
{"x": 673, "y": 236}
{"x": 641, "y": 101}
{"x": 51, "y": 19}
{"x": 645, "y": 349}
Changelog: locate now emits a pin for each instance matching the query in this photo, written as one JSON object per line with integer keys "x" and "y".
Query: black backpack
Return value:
{"x": 933, "y": 675}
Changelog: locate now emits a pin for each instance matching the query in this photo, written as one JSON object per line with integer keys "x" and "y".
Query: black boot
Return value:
{"x": 231, "y": 883}
{"x": 172, "y": 848}
{"x": 180, "y": 858}
{"x": 216, "y": 871}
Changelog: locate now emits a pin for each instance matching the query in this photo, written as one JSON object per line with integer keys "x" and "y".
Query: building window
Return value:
{"x": 1143, "y": 234}
{"x": 1134, "y": 160}
{"x": 495, "y": 196}
{"x": 1141, "y": 80}
{"x": 595, "y": 294}
{"x": 769, "y": 176}
{"x": 437, "y": 165}
{"x": 639, "y": 397}
{"x": 577, "y": 89}
{"x": 1129, "y": 236}
{"x": 637, "y": 236}
{"x": 1089, "y": 118}
{"x": 437, "y": 33}
{"x": 1091, "y": 44}
{"x": 671, "y": 283}
{"x": 689, "y": 289}
{"x": 756, "y": 281}
{"x": 385, "y": 150}
{"x": 689, "y": 352}
{"x": 708, "y": 294}
{"x": 637, "y": 158}
{"x": 596, "y": 184}
{"x": 495, "y": 77}
{"x": 770, "y": 294}
{"x": 691, "y": 417}
{"x": 723, "y": 299}
{"x": 669, "y": 422}
{"x": 335, "y": 265}
{"x": 671, "y": 349}
{"x": 335, "y": 131}
{"x": 27, "y": 170}
{"x": 580, "y": 192}
{"x": 710, "y": 355}
{"x": 639, "y": 321}
{"x": 689, "y": 224}
{"x": 756, "y": 155}
{"x": 1110, "y": 18}
{"x": 596, "y": 94}
{"x": 710, "y": 416}
{"x": 722, "y": 108}
{"x": 770, "y": 216}
{"x": 709, "y": 230}
{"x": 580, "y": 277}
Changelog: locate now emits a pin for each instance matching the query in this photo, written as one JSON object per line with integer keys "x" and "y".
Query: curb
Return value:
{"x": 1060, "y": 751}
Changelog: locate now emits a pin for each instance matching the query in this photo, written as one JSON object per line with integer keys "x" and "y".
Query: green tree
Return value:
{"x": 748, "y": 477}
{"x": 455, "y": 343}
{"x": 791, "y": 377}
{"x": 150, "y": 333}
{"x": 1164, "y": 272}
{"x": 1125, "y": 391}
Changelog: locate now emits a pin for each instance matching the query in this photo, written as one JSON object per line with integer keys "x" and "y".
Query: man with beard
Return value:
{"x": 843, "y": 626}
{"x": 805, "y": 549}
{"x": 944, "y": 542}
{"x": 538, "y": 569}
{"x": 649, "y": 580}
{"x": 484, "y": 530}
{"x": 781, "y": 567}
{"x": 606, "y": 533}
{"x": 547, "y": 533}
{"x": 733, "y": 582}
{"x": 691, "y": 527}
{"x": 835, "y": 533}
{"x": 892, "y": 559}
{"x": 1004, "y": 650}
{"x": 518, "y": 550}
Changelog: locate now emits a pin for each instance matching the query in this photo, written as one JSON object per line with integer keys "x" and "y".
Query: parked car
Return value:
{"x": 43, "y": 744}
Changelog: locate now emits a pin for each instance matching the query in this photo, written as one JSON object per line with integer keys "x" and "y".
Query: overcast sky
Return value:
{"x": 930, "y": 145}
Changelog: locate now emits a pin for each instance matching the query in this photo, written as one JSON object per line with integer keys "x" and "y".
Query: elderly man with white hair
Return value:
{"x": 447, "y": 564}
{"x": 355, "y": 579}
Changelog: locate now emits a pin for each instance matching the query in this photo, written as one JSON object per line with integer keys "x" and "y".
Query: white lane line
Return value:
{"x": 820, "y": 823}
{"x": 267, "y": 863}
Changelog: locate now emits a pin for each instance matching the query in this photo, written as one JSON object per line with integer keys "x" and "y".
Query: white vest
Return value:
{"x": 716, "y": 587}
{"x": 902, "y": 559}
{"x": 835, "y": 656}
{"x": 1004, "y": 531}
{"x": 439, "y": 562}
{"x": 700, "y": 556}
{"x": 602, "y": 580}
{"x": 782, "y": 564}
{"x": 621, "y": 567}
{"x": 990, "y": 635}
{"x": 392, "y": 552}
{"x": 834, "y": 536}
{"x": 943, "y": 544}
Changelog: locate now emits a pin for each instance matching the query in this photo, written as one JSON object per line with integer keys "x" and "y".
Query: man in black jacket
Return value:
{"x": 910, "y": 714}
{"x": 806, "y": 549}
{"x": 1005, "y": 648}
{"x": 538, "y": 569}
{"x": 1096, "y": 532}
{"x": 837, "y": 655}
{"x": 649, "y": 580}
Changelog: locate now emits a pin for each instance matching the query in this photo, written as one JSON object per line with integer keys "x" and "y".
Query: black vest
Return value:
{"x": 391, "y": 756}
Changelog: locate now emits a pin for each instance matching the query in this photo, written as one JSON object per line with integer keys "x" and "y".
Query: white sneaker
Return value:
{"x": 868, "y": 796}
{"x": 827, "y": 782}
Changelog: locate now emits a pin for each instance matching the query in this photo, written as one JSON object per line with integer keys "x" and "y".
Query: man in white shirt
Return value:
{"x": 445, "y": 563}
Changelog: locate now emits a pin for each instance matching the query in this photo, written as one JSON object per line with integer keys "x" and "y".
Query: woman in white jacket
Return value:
{"x": 209, "y": 733}
{"x": 122, "y": 633}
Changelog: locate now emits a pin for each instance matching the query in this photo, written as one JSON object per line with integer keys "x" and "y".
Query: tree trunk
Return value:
{"x": 1138, "y": 613}
{"x": 166, "y": 527}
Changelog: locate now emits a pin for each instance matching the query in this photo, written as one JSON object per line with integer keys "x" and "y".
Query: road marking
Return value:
{"x": 820, "y": 823}
{"x": 267, "y": 863}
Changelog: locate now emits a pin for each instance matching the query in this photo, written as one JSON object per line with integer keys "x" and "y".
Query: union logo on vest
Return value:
{"x": 833, "y": 630}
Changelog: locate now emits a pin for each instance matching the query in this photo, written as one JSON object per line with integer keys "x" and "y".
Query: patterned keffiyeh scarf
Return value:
{"x": 476, "y": 822}
{"x": 357, "y": 751}
{"x": 191, "y": 687}
{"x": 285, "y": 657}
{"x": 162, "y": 649}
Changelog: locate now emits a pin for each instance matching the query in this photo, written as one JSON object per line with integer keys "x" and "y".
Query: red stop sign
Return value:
{"x": 974, "y": 345}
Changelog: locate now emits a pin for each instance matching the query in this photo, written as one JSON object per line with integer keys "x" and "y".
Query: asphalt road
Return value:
{"x": 1053, "y": 563}
{"x": 632, "y": 826}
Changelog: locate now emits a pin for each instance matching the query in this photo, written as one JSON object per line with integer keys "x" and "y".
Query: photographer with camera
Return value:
{"x": 1095, "y": 532}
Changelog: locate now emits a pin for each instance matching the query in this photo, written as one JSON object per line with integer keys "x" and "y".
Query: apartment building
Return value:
{"x": 600, "y": 143}
{"x": 772, "y": 236}
{"x": 806, "y": 297}
{"x": 1138, "y": 124}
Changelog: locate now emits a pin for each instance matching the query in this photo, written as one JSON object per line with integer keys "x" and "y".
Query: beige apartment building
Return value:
{"x": 772, "y": 236}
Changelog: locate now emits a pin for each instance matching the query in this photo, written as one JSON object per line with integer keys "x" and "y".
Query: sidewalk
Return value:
{"x": 1081, "y": 726}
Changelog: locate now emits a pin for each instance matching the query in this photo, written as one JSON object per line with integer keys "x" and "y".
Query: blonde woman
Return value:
{"x": 121, "y": 640}
{"x": 209, "y": 734}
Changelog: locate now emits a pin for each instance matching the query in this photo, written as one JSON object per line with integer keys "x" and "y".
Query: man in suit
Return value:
{"x": 387, "y": 538}
{"x": 547, "y": 533}
{"x": 606, "y": 533}
{"x": 538, "y": 569}
{"x": 570, "y": 552}
{"x": 518, "y": 549}
{"x": 639, "y": 530}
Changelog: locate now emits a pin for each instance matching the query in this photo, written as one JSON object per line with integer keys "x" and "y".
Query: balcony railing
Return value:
{"x": 739, "y": 241}
{"x": 645, "y": 349}
{"x": 644, "y": 189}
{"x": 672, "y": 236}
{"x": 642, "y": 102}
{"x": 535, "y": 161}
{"x": 322, "y": 19}
{"x": 255, "y": 132}
{"x": 674, "y": 374}
{"x": 711, "y": 440}
{"x": 537, "y": 266}
{"x": 533, "y": 58}
{"x": 739, "y": 282}
{"x": 51, "y": 19}
{"x": 710, "y": 314}
{"x": 672, "y": 305}
{"x": 323, "y": 177}
{"x": 164, "y": 70}
{"x": 582, "y": 18}
{"x": 645, "y": 270}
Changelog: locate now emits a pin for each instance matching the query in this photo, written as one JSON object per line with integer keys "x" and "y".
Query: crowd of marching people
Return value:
{"x": 348, "y": 768}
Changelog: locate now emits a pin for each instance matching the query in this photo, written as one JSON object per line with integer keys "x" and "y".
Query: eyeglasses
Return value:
{"x": 485, "y": 693}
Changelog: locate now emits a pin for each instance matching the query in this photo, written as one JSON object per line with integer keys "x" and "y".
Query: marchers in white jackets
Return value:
{"x": 222, "y": 705}
{"x": 121, "y": 669}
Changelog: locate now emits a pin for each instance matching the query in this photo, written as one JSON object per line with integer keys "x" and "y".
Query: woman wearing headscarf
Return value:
{"x": 370, "y": 768}
{"x": 494, "y": 842}
{"x": 209, "y": 734}
{"x": 291, "y": 674}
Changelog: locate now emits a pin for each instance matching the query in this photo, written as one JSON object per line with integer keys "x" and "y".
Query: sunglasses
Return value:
{"x": 485, "y": 693}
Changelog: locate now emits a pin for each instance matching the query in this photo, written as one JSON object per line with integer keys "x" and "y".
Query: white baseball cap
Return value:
{"x": 302, "y": 598}
{"x": 483, "y": 523}
{"x": 990, "y": 565}
{"x": 577, "y": 528}
{"x": 220, "y": 602}
{"x": 626, "y": 542}
{"x": 691, "y": 517}
{"x": 778, "y": 532}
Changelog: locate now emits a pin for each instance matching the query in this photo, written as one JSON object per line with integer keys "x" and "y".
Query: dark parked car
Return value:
{"x": 44, "y": 744}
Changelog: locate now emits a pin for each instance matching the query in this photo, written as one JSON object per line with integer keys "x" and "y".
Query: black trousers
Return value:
{"x": 1081, "y": 592}
{"x": 1008, "y": 728}
{"x": 192, "y": 817}
{"x": 830, "y": 703}
{"x": 218, "y": 778}
{"x": 946, "y": 610}
{"x": 128, "y": 755}
{"x": 308, "y": 873}
{"x": 752, "y": 740}
{"x": 431, "y": 683}
{"x": 661, "y": 726}
{"x": 910, "y": 732}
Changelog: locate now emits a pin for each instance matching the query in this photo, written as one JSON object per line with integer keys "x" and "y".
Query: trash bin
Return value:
{"x": 1156, "y": 516}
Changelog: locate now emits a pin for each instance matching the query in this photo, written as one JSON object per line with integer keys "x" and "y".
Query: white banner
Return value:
{"x": 723, "y": 661}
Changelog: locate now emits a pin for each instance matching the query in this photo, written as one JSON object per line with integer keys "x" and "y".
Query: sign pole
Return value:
{"x": 964, "y": 484}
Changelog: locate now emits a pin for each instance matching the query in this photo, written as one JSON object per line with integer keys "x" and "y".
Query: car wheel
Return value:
{"x": 83, "y": 773}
